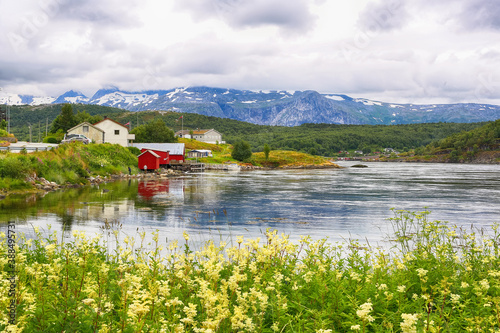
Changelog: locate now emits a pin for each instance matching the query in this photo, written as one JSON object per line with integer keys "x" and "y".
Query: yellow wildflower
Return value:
{"x": 409, "y": 323}
{"x": 364, "y": 312}
{"x": 88, "y": 301}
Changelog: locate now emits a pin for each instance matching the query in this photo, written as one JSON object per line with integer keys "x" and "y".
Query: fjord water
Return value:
{"x": 335, "y": 203}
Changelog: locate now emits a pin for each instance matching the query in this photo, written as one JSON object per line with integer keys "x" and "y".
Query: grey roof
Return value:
{"x": 173, "y": 148}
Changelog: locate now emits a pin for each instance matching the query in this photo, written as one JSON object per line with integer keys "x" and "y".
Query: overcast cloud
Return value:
{"x": 416, "y": 51}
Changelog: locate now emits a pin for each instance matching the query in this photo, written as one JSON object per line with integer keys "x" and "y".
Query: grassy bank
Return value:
{"x": 283, "y": 159}
{"x": 69, "y": 163}
{"x": 276, "y": 159}
{"x": 436, "y": 278}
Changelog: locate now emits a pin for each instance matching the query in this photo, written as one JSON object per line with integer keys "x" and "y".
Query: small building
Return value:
{"x": 390, "y": 151}
{"x": 149, "y": 160}
{"x": 206, "y": 135}
{"x": 164, "y": 155}
{"x": 104, "y": 131}
{"x": 95, "y": 134}
{"x": 114, "y": 132}
{"x": 199, "y": 153}
{"x": 177, "y": 151}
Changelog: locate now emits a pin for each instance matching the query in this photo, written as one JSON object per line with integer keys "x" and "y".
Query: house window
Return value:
{"x": 117, "y": 132}
{"x": 85, "y": 129}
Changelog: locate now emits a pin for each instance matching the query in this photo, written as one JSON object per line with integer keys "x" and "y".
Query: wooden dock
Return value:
{"x": 222, "y": 167}
{"x": 188, "y": 166}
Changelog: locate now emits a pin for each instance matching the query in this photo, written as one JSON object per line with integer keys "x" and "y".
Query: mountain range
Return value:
{"x": 281, "y": 108}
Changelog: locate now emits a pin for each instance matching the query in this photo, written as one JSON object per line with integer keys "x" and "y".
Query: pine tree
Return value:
{"x": 65, "y": 120}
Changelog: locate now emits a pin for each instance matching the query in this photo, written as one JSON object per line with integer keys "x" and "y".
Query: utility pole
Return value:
{"x": 8, "y": 119}
{"x": 29, "y": 126}
{"x": 7, "y": 112}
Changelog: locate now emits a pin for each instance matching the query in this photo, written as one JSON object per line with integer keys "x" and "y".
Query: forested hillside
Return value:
{"x": 323, "y": 139}
{"x": 467, "y": 145}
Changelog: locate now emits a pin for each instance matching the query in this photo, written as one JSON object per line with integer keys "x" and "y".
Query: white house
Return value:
{"x": 114, "y": 132}
{"x": 206, "y": 135}
{"x": 107, "y": 130}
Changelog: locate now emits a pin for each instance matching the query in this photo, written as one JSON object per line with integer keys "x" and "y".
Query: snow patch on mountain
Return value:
{"x": 335, "y": 97}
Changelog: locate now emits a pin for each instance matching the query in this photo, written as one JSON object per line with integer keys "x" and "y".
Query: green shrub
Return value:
{"x": 241, "y": 151}
{"x": 14, "y": 184}
{"x": 134, "y": 150}
{"x": 51, "y": 139}
{"x": 13, "y": 167}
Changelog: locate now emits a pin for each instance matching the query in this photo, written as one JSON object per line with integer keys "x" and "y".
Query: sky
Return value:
{"x": 401, "y": 51}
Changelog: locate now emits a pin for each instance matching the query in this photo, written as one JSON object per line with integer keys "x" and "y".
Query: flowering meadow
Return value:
{"x": 432, "y": 278}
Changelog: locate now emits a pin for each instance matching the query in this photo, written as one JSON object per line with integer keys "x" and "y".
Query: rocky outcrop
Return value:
{"x": 8, "y": 139}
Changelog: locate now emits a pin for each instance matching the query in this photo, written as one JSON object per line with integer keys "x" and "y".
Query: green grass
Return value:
{"x": 277, "y": 158}
{"x": 434, "y": 278}
{"x": 72, "y": 163}
{"x": 282, "y": 158}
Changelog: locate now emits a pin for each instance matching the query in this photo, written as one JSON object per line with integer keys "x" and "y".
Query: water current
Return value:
{"x": 335, "y": 203}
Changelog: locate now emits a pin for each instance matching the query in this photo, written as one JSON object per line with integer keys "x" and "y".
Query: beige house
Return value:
{"x": 107, "y": 130}
{"x": 95, "y": 134}
{"x": 207, "y": 135}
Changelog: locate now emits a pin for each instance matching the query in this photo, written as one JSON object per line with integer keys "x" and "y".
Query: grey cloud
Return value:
{"x": 111, "y": 12}
{"x": 293, "y": 15}
{"x": 468, "y": 14}
{"x": 29, "y": 72}
{"x": 481, "y": 14}
{"x": 490, "y": 55}
{"x": 384, "y": 16}
{"x": 217, "y": 59}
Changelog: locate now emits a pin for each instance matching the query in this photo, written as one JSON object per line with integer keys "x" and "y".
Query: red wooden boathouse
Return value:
{"x": 164, "y": 155}
{"x": 176, "y": 151}
{"x": 149, "y": 160}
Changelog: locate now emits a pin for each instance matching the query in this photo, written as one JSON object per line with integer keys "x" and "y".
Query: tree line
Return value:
{"x": 465, "y": 144}
{"x": 321, "y": 139}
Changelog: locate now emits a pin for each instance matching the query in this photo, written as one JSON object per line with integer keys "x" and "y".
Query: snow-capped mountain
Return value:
{"x": 71, "y": 97}
{"x": 273, "y": 107}
{"x": 13, "y": 99}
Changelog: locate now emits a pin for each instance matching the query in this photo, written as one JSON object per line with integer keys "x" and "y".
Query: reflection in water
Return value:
{"x": 150, "y": 188}
{"x": 339, "y": 204}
